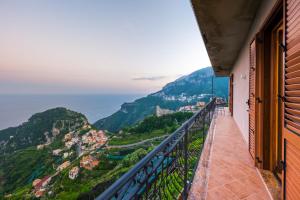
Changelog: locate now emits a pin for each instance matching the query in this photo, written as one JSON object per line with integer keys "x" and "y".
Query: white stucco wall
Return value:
{"x": 241, "y": 72}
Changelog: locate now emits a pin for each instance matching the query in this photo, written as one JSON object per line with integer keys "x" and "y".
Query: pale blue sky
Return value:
{"x": 96, "y": 46}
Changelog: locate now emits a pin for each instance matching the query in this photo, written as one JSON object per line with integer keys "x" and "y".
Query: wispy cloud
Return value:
{"x": 151, "y": 78}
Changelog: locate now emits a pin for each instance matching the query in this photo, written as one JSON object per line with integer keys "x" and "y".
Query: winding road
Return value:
{"x": 135, "y": 144}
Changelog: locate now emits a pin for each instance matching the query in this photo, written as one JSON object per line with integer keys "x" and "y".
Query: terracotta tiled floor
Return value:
{"x": 231, "y": 174}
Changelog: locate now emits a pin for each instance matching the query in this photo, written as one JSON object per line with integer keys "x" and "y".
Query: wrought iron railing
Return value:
{"x": 168, "y": 170}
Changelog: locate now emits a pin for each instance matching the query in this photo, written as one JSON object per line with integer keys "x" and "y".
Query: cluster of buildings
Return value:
{"x": 192, "y": 108}
{"x": 93, "y": 137}
{"x": 89, "y": 141}
{"x": 184, "y": 98}
{"x": 93, "y": 140}
{"x": 71, "y": 139}
{"x": 40, "y": 186}
{"x": 73, "y": 173}
{"x": 63, "y": 166}
{"x": 88, "y": 162}
{"x": 59, "y": 152}
{"x": 189, "y": 108}
{"x": 200, "y": 104}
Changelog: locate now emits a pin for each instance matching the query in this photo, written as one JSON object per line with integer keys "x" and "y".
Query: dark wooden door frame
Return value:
{"x": 276, "y": 101}
{"x": 263, "y": 133}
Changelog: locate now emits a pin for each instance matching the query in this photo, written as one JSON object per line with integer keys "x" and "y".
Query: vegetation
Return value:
{"x": 152, "y": 123}
{"x": 89, "y": 184}
{"x": 172, "y": 184}
{"x": 132, "y": 113}
{"x": 150, "y": 127}
{"x": 18, "y": 169}
{"x": 39, "y": 127}
{"x": 126, "y": 138}
{"x": 21, "y": 162}
{"x": 199, "y": 82}
{"x": 21, "y": 168}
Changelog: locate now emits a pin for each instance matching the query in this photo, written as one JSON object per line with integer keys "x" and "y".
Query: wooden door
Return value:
{"x": 252, "y": 99}
{"x": 231, "y": 95}
{"x": 276, "y": 103}
{"x": 291, "y": 127}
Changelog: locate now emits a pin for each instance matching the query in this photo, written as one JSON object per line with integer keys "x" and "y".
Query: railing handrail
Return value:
{"x": 117, "y": 185}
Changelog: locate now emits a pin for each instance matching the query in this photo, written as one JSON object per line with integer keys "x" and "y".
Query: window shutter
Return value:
{"x": 291, "y": 129}
{"x": 251, "y": 103}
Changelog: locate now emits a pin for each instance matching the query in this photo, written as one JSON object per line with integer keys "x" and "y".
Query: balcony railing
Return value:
{"x": 168, "y": 170}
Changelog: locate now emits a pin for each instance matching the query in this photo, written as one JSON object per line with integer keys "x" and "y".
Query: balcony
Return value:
{"x": 206, "y": 158}
{"x": 229, "y": 172}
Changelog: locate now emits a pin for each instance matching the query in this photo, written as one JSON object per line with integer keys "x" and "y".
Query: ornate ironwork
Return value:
{"x": 168, "y": 170}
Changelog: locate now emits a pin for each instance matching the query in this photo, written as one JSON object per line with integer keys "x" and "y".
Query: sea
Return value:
{"x": 16, "y": 109}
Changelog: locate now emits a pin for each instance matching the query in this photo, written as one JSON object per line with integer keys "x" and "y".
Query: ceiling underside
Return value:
{"x": 224, "y": 25}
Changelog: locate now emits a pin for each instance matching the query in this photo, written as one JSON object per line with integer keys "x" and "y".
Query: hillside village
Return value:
{"x": 81, "y": 145}
{"x": 77, "y": 146}
{"x": 80, "y": 153}
{"x": 182, "y": 97}
{"x": 85, "y": 156}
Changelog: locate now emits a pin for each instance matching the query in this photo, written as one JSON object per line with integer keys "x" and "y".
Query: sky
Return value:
{"x": 96, "y": 46}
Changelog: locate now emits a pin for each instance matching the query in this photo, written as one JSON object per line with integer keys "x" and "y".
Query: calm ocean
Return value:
{"x": 16, "y": 109}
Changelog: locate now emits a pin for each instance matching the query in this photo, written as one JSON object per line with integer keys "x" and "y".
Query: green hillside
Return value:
{"x": 39, "y": 127}
{"x": 190, "y": 86}
{"x": 19, "y": 169}
{"x": 150, "y": 127}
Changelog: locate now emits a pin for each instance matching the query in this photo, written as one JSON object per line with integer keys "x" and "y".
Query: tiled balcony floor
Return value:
{"x": 230, "y": 173}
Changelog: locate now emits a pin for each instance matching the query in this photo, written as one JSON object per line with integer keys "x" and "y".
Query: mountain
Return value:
{"x": 22, "y": 169}
{"x": 198, "y": 82}
{"x": 41, "y": 128}
{"x": 186, "y": 90}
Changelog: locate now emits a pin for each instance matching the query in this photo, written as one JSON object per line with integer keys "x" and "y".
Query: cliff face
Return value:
{"x": 41, "y": 128}
{"x": 186, "y": 90}
{"x": 161, "y": 112}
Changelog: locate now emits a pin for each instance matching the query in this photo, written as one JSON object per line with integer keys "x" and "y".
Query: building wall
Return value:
{"x": 241, "y": 72}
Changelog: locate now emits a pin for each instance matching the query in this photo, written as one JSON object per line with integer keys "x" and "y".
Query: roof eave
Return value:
{"x": 224, "y": 26}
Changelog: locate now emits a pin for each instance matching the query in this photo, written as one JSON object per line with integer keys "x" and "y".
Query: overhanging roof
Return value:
{"x": 224, "y": 25}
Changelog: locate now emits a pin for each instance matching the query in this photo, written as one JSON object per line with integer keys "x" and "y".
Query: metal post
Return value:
{"x": 203, "y": 126}
{"x": 185, "y": 190}
{"x": 209, "y": 112}
{"x": 212, "y": 94}
{"x": 212, "y": 86}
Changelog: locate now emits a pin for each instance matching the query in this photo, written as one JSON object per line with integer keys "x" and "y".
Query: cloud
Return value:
{"x": 152, "y": 78}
